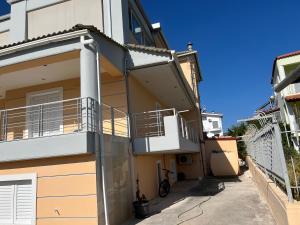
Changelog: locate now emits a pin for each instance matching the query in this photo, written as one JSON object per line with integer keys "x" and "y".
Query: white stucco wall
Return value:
{"x": 63, "y": 16}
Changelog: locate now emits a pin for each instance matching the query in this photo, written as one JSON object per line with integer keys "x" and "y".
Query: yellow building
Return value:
{"x": 85, "y": 110}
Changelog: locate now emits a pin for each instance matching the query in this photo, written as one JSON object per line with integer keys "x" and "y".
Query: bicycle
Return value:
{"x": 164, "y": 186}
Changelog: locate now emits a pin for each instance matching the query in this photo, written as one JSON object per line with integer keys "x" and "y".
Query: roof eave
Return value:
{"x": 42, "y": 41}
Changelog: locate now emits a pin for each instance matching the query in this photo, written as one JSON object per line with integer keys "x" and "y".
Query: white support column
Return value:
{"x": 89, "y": 88}
{"x": 88, "y": 72}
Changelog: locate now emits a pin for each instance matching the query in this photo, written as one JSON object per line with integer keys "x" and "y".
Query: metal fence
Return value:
{"x": 151, "y": 124}
{"x": 187, "y": 129}
{"x": 264, "y": 145}
{"x": 115, "y": 121}
{"x": 61, "y": 117}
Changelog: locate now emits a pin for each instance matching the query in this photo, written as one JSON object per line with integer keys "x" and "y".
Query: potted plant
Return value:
{"x": 141, "y": 205}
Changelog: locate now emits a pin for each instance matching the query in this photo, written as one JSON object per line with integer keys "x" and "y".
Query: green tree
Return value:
{"x": 238, "y": 131}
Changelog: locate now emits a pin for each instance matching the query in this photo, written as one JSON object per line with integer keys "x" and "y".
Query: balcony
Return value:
{"x": 58, "y": 128}
{"x": 164, "y": 131}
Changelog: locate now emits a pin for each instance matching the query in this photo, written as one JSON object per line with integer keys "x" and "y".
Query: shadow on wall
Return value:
{"x": 222, "y": 156}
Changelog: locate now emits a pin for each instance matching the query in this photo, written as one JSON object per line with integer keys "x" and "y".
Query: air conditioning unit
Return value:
{"x": 184, "y": 159}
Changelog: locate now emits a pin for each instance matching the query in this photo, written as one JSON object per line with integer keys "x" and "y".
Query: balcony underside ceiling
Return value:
{"x": 54, "y": 57}
{"x": 162, "y": 81}
{"x": 45, "y": 70}
{"x": 159, "y": 71}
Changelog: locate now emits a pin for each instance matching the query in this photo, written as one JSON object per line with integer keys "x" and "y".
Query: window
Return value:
{"x": 137, "y": 30}
{"x": 215, "y": 124}
{"x": 18, "y": 199}
{"x": 47, "y": 120}
{"x": 136, "y": 27}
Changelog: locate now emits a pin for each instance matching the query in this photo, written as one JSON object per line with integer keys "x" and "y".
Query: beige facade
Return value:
{"x": 193, "y": 171}
{"x": 222, "y": 155}
{"x": 96, "y": 181}
{"x": 146, "y": 166}
{"x": 66, "y": 187}
{"x": 148, "y": 173}
{"x": 188, "y": 69}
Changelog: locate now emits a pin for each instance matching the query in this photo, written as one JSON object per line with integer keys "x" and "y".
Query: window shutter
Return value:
{"x": 6, "y": 203}
{"x": 23, "y": 202}
{"x": 52, "y": 114}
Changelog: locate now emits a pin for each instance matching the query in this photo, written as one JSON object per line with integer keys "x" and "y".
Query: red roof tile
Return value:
{"x": 288, "y": 54}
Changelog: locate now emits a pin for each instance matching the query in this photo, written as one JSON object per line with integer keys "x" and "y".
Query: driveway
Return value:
{"x": 226, "y": 201}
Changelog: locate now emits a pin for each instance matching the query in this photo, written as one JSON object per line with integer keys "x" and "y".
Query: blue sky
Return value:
{"x": 237, "y": 42}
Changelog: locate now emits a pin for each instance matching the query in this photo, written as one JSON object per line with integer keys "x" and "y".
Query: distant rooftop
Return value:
{"x": 212, "y": 114}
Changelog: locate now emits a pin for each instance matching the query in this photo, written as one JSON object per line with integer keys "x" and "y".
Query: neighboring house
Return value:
{"x": 86, "y": 110}
{"x": 286, "y": 85}
{"x": 212, "y": 124}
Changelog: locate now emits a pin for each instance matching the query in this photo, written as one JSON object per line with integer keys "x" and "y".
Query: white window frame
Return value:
{"x": 59, "y": 90}
{"x": 23, "y": 177}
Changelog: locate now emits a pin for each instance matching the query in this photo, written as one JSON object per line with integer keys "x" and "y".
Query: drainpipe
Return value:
{"x": 131, "y": 155}
{"x": 100, "y": 151}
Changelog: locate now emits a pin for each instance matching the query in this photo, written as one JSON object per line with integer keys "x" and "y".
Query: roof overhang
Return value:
{"x": 62, "y": 42}
{"x": 159, "y": 71}
{"x": 212, "y": 114}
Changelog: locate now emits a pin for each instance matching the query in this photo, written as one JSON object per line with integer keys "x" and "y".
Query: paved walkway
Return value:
{"x": 214, "y": 202}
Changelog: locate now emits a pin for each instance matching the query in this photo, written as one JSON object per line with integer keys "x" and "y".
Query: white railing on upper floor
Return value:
{"x": 61, "y": 117}
{"x": 151, "y": 124}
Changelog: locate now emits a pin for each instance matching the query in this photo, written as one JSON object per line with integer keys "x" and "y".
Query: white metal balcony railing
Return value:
{"x": 151, "y": 124}
{"x": 61, "y": 117}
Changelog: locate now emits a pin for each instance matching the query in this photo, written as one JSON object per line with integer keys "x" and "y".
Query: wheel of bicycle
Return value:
{"x": 164, "y": 188}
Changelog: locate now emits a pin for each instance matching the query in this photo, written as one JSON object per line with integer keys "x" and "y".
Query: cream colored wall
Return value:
{"x": 64, "y": 16}
{"x": 114, "y": 91}
{"x": 141, "y": 100}
{"x": 225, "y": 162}
{"x": 187, "y": 71}
{"x": 65, "y": 184}
{"x": 113, "y": 94}
{"x": 146, "y": 171}
{"x": 194, "y": 170}
{"x": 4, "y": 38}
{"x": 17, "y": 98}
{"x": 284, "y": 212}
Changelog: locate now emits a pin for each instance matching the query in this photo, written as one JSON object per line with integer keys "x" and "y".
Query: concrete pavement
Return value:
{"x": 215, "y": 201}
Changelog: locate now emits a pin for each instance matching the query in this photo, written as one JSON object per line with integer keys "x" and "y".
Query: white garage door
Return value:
{"x": 17, "y": 202}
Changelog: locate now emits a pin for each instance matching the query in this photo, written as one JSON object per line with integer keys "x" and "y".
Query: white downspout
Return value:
{"x": 102, "y": 150}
